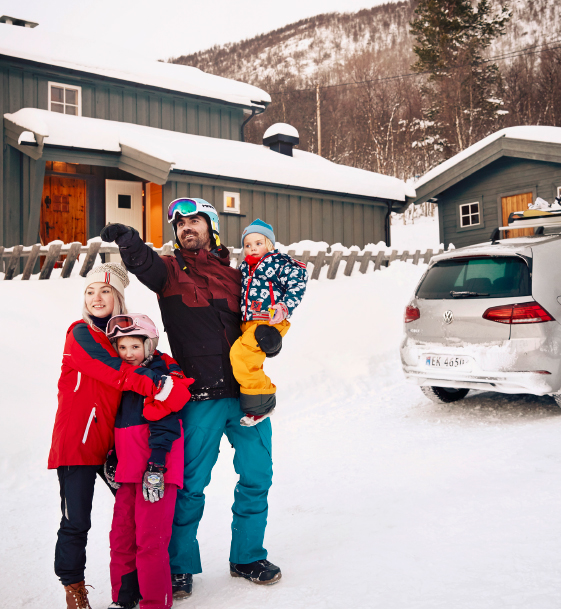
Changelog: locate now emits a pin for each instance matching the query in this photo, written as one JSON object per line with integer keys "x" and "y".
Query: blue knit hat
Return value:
{"x": 258, "y": 226}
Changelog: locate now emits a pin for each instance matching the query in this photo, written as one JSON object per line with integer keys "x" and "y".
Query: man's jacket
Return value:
{"x": 200, "y": 306}
{"x": 274, "y": 279}
{"x": 91, "y": 381}
{"x": 138, "y": 441}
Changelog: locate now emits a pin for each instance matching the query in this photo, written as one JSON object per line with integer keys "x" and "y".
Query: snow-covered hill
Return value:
{"x": 322, "y": 45}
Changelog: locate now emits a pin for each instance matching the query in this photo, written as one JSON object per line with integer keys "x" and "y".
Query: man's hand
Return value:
{"x": 153, "y": 482}
{"x": 112, "y": 232}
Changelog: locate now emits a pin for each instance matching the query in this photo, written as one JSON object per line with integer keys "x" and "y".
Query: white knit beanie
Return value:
{"x": 112, "y": 273}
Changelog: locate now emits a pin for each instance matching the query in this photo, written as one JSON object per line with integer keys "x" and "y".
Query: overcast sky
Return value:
{"x": 168, "y": 28}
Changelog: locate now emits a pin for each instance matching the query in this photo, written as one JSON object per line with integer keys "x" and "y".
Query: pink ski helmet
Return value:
{"x": 134, "y": 324}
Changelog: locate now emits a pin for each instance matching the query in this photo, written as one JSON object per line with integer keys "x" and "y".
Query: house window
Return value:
{"x": 232, "y": 202}
{"x": 469, "y": 214}
{"x": 65, "y": 99}
{"x": 558, "y": 192}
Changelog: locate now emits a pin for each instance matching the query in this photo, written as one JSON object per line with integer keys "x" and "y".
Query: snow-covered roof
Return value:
{"x": 197, "y": 154}
{"x": 540, "y": 134}
{"x": 114, "y": 62}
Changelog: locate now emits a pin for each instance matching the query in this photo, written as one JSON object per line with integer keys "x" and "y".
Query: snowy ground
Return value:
{"x": 381, "y": 499}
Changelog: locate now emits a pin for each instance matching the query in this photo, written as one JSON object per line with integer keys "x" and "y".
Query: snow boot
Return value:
{"x": 181, "y": 585}
{"x": 260, "y": 572}
{"x": 77, "y": 596}
{"x": 130, "y": 605}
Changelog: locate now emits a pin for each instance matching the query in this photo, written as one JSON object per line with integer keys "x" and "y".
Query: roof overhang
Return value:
{"x": 502, "y": 147}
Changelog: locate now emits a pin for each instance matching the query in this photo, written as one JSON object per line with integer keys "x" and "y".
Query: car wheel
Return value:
{"x": 445, "y": 395}
{"x": 556, "y": 397}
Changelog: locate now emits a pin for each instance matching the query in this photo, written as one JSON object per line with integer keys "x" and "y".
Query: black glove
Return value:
{"x": 110, "y": 469}
{"x": 112, "y": 232}
{"x": 153, "y": 482}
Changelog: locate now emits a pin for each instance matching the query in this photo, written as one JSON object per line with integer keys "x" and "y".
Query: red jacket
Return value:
{"x": 89, "y": 392}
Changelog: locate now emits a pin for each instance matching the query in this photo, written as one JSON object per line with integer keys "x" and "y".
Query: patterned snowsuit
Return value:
{"x": 276, "y": 278}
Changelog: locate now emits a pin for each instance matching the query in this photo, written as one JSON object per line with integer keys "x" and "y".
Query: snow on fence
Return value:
{"x": 10, "y": 258}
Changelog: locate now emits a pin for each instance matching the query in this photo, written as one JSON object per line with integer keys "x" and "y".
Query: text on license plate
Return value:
{"x": 447, "y": 361}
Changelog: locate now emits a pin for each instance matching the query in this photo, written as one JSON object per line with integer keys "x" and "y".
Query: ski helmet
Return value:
{"x": 134, "y": 324}
{"x": 193, "y": 207}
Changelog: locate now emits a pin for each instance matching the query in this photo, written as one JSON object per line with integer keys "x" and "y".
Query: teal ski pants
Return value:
{"x": 203, "y": 425}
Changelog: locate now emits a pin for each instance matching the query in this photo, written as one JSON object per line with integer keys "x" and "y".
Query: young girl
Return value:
{"x": 89, "y": 392}
{"x": 273, "y": 285}
{"x": 149, "y": 470}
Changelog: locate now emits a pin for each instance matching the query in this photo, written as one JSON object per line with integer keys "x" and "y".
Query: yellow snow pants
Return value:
{"x": 247, "y": 359}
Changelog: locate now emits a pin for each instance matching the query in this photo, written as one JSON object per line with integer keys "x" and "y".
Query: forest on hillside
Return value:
{"x": 380, "y": 105}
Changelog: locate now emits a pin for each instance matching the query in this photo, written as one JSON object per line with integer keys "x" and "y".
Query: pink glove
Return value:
{"x": 281, "y": 313}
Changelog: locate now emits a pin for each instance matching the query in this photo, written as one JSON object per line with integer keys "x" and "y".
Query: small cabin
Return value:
{"x": 477, "y": 189}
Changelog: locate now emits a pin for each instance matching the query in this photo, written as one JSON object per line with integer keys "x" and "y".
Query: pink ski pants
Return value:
{"x": 139, "y": 540}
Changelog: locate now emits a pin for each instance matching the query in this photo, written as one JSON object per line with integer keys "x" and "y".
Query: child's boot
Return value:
{"x": 77, "y": 596}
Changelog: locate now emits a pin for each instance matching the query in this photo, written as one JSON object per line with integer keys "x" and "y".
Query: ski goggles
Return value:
{"x": 183, "y": 207}
{"x": 123, "y": 323}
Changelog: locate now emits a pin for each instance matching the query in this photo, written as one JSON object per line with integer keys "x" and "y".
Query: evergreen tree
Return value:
{"x": 463, "y": 92}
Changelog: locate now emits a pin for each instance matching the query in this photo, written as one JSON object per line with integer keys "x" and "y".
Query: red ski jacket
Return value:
{"x": 92, "y": 380}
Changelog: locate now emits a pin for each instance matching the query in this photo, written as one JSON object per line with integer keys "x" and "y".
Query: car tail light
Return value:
{"x": 411, "y": 314}
{"x": 525, "y": 313}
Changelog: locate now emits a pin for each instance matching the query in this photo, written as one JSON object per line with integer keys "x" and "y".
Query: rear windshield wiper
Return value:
{"x": 467, "y": 294}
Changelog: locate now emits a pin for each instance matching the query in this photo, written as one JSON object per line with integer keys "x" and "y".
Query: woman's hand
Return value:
{"x": 173, "y": 395}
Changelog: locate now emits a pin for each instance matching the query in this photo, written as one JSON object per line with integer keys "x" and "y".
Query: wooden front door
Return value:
{"x": 512, "y": 204}
{"x": 63, "y": 210}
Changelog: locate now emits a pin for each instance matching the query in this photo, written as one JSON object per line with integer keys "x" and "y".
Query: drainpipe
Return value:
{"x": 388, "y": 225}
{"x": 253, "y": 113}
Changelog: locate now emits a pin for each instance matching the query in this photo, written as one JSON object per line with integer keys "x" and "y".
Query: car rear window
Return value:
{"x": 476, "y": 277}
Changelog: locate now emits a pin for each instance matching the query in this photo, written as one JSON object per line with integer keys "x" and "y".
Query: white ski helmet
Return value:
{"x": 192, "y": 207}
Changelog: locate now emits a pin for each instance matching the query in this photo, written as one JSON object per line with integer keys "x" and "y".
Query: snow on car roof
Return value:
{"x": 106, "y": 60}
{"x": 538, "y": 133}
{"x": 207, "y": 155}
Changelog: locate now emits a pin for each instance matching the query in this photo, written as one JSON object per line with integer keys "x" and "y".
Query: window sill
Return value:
{"x": 231, "y": 213}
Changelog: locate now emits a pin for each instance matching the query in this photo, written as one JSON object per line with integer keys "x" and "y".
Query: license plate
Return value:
{"x": 455, "y": 362}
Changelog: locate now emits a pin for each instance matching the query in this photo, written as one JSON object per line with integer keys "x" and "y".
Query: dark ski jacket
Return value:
{"x": 138, "y": 441}
{"x": 200, "y": 309}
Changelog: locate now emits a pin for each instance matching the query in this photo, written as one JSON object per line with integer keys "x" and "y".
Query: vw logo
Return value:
{"x": 448, "y": 317}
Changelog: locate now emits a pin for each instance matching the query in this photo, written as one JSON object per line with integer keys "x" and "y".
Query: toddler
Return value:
{"x": 273, "y": 285}
{"x": 147, "y": 469}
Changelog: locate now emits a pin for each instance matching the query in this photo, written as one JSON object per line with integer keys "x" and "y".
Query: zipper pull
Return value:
{"x": 95, "y": 417}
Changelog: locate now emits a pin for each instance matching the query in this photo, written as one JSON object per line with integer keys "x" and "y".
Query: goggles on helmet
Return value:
{"x": 127, "y": 324}
{"x": 192, "y": 207}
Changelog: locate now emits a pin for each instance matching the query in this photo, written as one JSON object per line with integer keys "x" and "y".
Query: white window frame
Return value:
{"x": 559, "y": 191}
{"x": 462, "y": 225}
{"x": 66, "y": 86}
{"x": 236, "y": 197}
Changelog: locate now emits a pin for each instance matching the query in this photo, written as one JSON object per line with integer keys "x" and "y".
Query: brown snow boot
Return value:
{"x": 77, "y": 596}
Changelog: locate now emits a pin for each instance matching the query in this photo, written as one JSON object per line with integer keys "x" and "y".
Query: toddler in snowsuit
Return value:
{"x": 273, "y": 285}
{"x": 147, "y": 469}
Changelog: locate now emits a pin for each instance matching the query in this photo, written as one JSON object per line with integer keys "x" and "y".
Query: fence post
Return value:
{"x": 334, "y": 264}
{"x": 404, "y": 256}
{"x": 52, "y": 257}
{"x": 428, "y": 256}
{"x": 365, "y": 260}
{"x": 350, "y": 263}
{"x": 70, "y": 259}
{"x": 379, "y": 259}
{"x": 12, "y": 263}
{"x": 33, "y": 255}
{"x": 392, "y": 257}
{"x": 416, "y": 257}
{"x": 318, "y": 264}
{"x": 167, "y": 250}
{"x": 90, "y": 258}
{"x": 305, "y": 258}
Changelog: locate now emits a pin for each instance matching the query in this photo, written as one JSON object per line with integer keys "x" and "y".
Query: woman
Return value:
{"x": 89, "y": 392}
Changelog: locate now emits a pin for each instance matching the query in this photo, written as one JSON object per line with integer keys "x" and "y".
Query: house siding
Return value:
{"x": 504, "y": 176}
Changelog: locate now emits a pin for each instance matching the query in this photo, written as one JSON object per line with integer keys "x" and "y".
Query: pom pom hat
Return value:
{"x": 111, "y": 273}
{"x": 258, "y": 226}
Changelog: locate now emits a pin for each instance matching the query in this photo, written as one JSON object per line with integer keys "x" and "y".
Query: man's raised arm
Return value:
{"x": 138, "y": 258}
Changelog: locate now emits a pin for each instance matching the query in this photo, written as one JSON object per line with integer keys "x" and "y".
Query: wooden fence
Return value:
{"x": 11, "y": 259}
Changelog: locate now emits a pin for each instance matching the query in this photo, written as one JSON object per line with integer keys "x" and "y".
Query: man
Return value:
{"x": 199, "y": 297}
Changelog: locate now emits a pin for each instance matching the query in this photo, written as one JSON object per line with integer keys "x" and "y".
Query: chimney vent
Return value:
{"x": 14, "y": 21}
{"x": 281, "y": 137}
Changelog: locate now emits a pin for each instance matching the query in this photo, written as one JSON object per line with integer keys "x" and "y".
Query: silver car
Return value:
{"x": 487, "y": 316}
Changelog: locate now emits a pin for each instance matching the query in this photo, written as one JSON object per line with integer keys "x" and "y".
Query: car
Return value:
{"x": 487, "y": 317}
